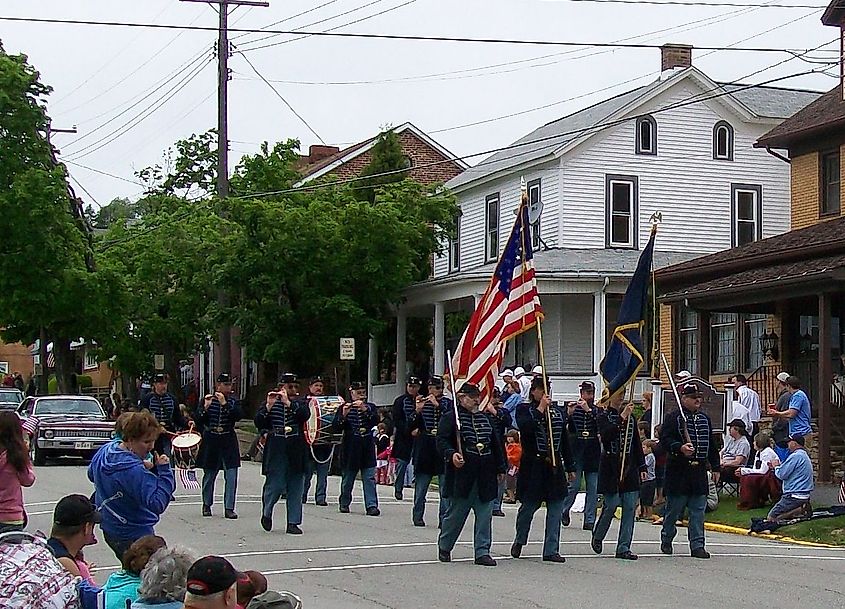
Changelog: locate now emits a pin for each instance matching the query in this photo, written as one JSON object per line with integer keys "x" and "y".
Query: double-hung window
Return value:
{"x": 621, "y": 202}
{"x": 491, "y": 224}
{"x": 455, "y": 247}
{"x": 747, "y": 213}
{"x": 831, "y": 184}
{"x": 534, "y": 194}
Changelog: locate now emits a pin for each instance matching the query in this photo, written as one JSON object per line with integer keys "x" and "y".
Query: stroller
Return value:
{"x": 31, "y": 577}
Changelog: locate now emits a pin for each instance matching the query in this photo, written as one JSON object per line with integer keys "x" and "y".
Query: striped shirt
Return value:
{"x": 476, "y": 432}
{"x": 698, "y": 426}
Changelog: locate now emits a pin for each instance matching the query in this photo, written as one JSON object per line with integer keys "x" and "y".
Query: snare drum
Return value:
{"x": 186, "y": 447}
{"x": 318, "y": 429}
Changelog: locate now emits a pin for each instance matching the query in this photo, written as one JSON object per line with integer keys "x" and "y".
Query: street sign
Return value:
{"x": 159, "y": 361}
{"x": 347, "y": 349}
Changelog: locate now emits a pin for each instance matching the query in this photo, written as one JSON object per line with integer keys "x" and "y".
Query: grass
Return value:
{"x": 824, "y": 530}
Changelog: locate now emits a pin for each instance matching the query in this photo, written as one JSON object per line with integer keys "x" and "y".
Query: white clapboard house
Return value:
{"x": 680, "y": 146}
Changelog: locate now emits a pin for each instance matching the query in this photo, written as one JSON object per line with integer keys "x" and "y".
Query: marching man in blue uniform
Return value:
{"x": 318, "y": 456}
{"x": 164, "y": 407}
{"x": 216, "y": 417}
{"x": 285, "y": 453}
{"x": 356, "y": 419}
{"x": 545, "y": 466}
{"x": 472, "y": 474}
{"x": 622, "y": 468}
{"x": 423, "y": 423}
{"x": 403, "y": 442}
{"x": 586, "y": 450}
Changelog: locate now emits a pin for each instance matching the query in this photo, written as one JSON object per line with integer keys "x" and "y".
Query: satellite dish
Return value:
{"x": 534, "y": 211}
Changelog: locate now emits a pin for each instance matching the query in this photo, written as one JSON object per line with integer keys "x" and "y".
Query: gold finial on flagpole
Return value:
{"x": 523, "y": 188}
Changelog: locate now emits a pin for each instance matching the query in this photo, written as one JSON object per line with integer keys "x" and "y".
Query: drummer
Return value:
{"x": 285, "y": 453}
{"x": 216, "y": 417}
{"x": 319, "y": 457}
{"x": 357, "y": 419}
{"x": 165, "y": 408}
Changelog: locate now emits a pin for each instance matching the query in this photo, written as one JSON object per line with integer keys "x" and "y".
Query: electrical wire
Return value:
{"x": 699, "y": 3}
{"x": 101, "y": 172}
{"x": 281, "y": 97}
{"x": 280, "y": 21}
{"x": 404, "y": 37}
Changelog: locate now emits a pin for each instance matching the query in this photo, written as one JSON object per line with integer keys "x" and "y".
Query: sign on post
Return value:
{"x": 159, "y": 361}
{"x": 347, "y": 349}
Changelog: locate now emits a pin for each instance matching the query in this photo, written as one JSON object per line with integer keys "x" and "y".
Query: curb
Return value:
{"x": 724, "y": 528}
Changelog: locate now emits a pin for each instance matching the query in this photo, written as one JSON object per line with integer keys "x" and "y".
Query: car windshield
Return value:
{"x": 74, "y": 407}
{"x": 12, "y": 396}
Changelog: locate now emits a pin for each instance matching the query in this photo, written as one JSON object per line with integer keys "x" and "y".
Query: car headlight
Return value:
{"x": 49, "y": 434}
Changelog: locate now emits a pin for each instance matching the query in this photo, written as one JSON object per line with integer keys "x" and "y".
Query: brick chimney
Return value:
{"x": 318, "y": 152}
{"x": 675, "y": 56}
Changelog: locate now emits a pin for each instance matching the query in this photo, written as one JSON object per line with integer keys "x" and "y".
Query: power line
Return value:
{"x": 280, "y": 21}
{"x": 101, "y": 172}
{"x": 700, "y": 3}
{"x": 404, "y": 37}
{"x": 281, "y": 97}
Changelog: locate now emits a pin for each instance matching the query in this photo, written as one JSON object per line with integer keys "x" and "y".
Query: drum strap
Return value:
{"x": 327, "y": 459}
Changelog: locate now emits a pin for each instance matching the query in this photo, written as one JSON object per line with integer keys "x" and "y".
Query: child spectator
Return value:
{"x": 250, "y": 585}
{"x": 513, "y": 450}
{"x": 757, "y": 484}
{"x": 647, "y": 487}
{"x": 659, "y": 470}
{"x": 382, "y": 454}
{"x": 123, "y": 585}
{"x": 15, "y": 472}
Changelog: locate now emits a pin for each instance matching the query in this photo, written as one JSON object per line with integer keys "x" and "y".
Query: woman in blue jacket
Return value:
{"x": 131, "y": 493}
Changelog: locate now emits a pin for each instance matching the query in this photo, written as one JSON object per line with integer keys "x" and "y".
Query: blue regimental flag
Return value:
{"x": 626, "y": 353}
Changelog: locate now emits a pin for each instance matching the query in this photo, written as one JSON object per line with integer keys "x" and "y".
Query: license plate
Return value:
{"x": 83, "y": 445}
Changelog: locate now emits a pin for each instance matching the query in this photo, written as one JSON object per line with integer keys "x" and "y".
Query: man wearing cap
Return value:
{"x": 216, "y": 417}
{"x": 780, "y": 425}
{"x": 318, "y": 456}
{"x": 212, "y": 583}
{"x": 164, "y": 407}
{"x": 403, "y": 442}
{"x": 356, "y": 419}
{"x": 73, "y": 528}
{"x": 797, "y": 412}
{"x": 622, "y": 469}
{"x": 427, "y": 462}
{"x": 275, "y": 600}
{"x": 586, "y": 450}
{"x": 524, "y": 383}
{"x": 687, "y": 438}
{"x": 735, "y": 452}
{"x": 511, "y": 396}
{"x": 540, "y": 480}
{"x": 796, "y": 473}
{"x": 474, "y": 462}
{"x": 285, "y": 453}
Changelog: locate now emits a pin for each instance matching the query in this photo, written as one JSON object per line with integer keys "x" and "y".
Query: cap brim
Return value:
{"x": 95, "y": 517}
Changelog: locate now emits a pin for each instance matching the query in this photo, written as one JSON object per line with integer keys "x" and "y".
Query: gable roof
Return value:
{"x": 826, "y": 112}
{"x": 552, "y": 139}
{"x": 334, "y": 161}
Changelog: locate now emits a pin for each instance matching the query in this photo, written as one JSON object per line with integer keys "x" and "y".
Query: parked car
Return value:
{"x": 65, "y": 425}
{"x": 10, "y": 398}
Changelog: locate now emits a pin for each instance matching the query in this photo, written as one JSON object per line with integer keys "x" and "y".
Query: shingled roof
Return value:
{"x": 827, "y": 112}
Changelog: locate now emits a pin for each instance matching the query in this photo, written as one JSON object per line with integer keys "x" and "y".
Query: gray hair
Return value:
{"x": 166, "y": 574}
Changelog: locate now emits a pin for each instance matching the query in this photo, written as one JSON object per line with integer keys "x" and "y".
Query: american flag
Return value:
{"x": 509, "y": 307}
{"x": 842, "y": 492}
{"x": 188, "y": 478}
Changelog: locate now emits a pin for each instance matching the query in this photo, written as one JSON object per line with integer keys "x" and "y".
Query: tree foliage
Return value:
{"x": 388, "y": 165}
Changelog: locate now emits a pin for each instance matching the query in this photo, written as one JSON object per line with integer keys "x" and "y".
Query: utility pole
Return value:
{"x": 225, "y": 333}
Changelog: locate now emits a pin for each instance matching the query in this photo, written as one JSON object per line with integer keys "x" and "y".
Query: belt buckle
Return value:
{"x": 694, "y": 463}
{"x": 288, "y": 429}
{"x": 362, "y": 431}
{"x": 219, "y": 429}
{"x": 585, "y": 434}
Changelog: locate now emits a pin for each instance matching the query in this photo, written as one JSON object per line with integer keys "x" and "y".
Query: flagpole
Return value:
{"x": 546, "y": 390}
{"x": 454, "y": 402}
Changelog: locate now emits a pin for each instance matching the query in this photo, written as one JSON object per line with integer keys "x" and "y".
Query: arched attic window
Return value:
{"x": 646, "y": 135}
{"x": 723, "y": 141}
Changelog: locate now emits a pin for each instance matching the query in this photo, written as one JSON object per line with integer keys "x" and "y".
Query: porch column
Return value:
{"x": 825, "y": 381}
{"x": 599, "y": 327}
{"x": 439, "y": 337}
{"x": 656, "y": 405}
{"x": 372, "y": 364}
{"x": 401, "y": 346}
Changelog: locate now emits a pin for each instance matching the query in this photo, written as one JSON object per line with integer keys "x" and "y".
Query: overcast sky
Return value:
{"x": 347, "y": 89}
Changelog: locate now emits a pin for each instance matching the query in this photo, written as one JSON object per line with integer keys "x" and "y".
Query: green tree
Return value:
{"x": 47, "y": 279}
{"x": 117, "y": 210}
{"x": 386, "y": 157}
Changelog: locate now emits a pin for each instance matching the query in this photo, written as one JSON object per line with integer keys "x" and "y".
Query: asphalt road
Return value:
{"x": 354, "y": 561}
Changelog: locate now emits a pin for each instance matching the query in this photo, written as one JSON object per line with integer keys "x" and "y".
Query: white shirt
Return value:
{"x": 751, "y": 400}
{"x": 525, "y": 387}
{"x": 764, "y": 457}
{"x": 741, "y": 412}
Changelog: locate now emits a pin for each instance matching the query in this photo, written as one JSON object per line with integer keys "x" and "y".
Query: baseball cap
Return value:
{"x": 75, "y": 510}
{"x": 537, "y": 370}
{"x": 210, "y": 575}
{"x": 797, "y": 437}
{"x": 782, "y": 376}
{"x": 275, "y": 600}
{"x": 470, "y": 389}
{"x": 506, "y": 372}
{"x": 738, "y": 423}
{"x": 518, "y": 371}
{"x": 691, "y": 389}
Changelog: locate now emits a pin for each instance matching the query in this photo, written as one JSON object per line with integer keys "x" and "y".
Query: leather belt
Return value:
{"x": 695, "y": 463}
{"x": 218, "y": 431}
{"x": 585, "y": 435}
{"x": 285, "y": 431}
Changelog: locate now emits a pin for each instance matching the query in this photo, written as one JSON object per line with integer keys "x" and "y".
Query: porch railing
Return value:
{"x": 765, "y": 382}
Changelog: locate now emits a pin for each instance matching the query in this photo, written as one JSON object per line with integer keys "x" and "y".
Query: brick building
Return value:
{"x": 429, "y": 162}
{"x": 779, "y": 303}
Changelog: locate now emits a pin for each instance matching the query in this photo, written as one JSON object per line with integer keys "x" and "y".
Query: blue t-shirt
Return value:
{"x": 800, "y": 423}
